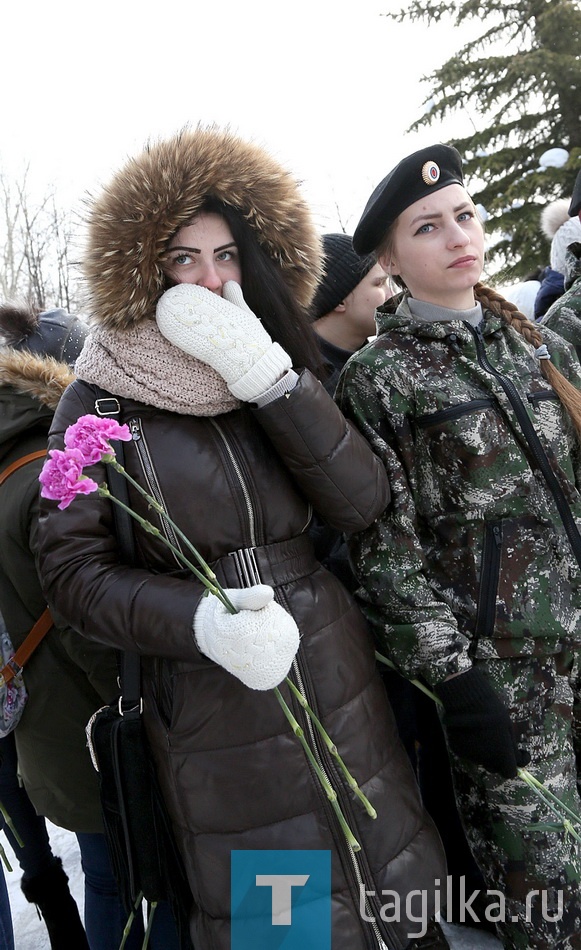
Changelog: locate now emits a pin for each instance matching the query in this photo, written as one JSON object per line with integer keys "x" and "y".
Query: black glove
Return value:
{"x": 478, "y": 724}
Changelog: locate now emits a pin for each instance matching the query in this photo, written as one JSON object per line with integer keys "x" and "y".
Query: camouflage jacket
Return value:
{"x": 564, "y": 316}
{"x": 471, "y": 558}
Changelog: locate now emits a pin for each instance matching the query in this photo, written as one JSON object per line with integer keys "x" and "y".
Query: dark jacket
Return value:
{"x": 330, "y": 545}
{"x": 245, "y": 481}
{"x": 67, "y": 677}
{"x": 334, "y": 358}
{"x": 551, "y": 288}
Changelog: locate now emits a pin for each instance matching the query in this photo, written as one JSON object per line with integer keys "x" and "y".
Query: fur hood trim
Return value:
{"x": 44, "y": 379}
{"x": 160, "y": 190}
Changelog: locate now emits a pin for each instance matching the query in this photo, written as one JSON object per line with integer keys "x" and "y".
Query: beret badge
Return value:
{"x": 430, "y": 173}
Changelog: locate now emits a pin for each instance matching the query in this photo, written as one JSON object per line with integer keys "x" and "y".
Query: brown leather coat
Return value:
{"x": 233, "y": 774}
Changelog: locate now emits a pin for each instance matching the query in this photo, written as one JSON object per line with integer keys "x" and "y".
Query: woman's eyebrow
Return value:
{"x": 438, "y": 214}
{"x": 197, "y": 250}
{"x": 426, "y": 217}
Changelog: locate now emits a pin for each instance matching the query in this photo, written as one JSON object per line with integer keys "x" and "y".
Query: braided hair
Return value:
{"x": 569, "y": 396}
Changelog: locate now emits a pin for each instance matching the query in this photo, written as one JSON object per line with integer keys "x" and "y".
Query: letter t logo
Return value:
{"x": 282, "y": 885}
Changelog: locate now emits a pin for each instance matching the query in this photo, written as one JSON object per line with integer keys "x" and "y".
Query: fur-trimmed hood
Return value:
{"x": 160, "y": 190}
{"x": 37, "y": 351}
{"x": 34, "y": 371}
{"x": 44, "y": 379}
{"x": 30, "y": 389}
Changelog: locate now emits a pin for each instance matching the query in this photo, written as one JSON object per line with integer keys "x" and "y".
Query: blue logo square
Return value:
{"x": 281, "y": 900}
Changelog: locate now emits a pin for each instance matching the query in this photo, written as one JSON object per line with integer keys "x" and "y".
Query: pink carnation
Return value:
{"x": 91, "y": 435}
{"x": 62, "y": 477}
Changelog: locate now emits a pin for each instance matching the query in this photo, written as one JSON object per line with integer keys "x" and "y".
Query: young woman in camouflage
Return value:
{"x": 471, "y": 577}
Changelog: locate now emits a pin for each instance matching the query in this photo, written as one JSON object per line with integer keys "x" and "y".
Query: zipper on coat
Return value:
{"x": 453, "y": 412}
{"x": 536, "y": 399}
{"x": 241, "y": 480}
{"x": 534, "y": 444}
{"x": 488, "y": 589}
{"x": 151, "y": 481}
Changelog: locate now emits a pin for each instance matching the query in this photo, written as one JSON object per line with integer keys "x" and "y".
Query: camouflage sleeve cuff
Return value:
{"x": 437, "y": 671}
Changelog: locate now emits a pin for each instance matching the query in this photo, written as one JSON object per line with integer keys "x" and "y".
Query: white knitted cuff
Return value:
{"x": 264, "y": 374}
{"x": 285, "y": 385}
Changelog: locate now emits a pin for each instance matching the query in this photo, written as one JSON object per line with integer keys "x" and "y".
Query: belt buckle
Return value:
{"x": 246, "y": 566}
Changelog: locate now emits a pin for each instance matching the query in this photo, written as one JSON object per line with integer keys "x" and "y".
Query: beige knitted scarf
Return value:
{"x": 139, "y": 363}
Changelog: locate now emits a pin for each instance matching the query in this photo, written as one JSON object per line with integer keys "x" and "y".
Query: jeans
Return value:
{"x": 36, "y": 856}
{"x": 105, "y": 916}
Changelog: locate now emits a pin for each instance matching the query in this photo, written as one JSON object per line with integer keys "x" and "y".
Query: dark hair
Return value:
{"x": 266, "y": 292}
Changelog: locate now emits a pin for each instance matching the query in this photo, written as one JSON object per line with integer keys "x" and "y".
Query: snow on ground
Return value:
{"x": 30, "y": 932}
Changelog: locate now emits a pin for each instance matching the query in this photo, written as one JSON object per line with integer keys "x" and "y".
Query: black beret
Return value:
{"x": 343, "y": 270}
{"x": 575, "y": 206}
{"x": 415, "y": 176}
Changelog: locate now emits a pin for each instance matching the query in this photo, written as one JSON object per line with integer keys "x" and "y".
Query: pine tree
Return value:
{"x": 519, "y": 82}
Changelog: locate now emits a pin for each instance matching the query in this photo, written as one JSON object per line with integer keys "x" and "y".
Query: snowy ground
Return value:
{"x": 30, "y": 933}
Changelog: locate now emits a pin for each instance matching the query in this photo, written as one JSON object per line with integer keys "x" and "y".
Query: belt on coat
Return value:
{"x": 278, "y": 563}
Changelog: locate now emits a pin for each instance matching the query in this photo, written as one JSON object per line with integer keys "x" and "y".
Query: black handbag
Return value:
{"x": 145, "y": 859}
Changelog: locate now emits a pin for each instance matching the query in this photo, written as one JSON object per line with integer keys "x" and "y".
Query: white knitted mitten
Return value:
{"x": 224, "y": 333}
{"x": 257, "y": 645}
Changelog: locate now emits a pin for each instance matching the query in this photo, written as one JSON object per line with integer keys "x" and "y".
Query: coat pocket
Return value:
{"x": 524, "y": 591}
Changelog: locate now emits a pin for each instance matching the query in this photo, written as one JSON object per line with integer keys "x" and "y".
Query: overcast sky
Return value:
{"x": 329, "y": 87}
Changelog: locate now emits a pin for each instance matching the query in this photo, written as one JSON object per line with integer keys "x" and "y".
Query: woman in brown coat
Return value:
{"x": 239, "y": 448}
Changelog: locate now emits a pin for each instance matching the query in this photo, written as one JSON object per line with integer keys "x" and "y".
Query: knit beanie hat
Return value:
{"x": 53, "y": 333}
{"x": 343, "y": 271}
{"x": 568, "y": 233}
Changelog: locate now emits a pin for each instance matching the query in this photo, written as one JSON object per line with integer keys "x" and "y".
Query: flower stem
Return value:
{"x": 130, "y": 920}
{"x": 424, "y": 689}
{"x": 570, "y": 830}
{"x": 8, "y": 821}
{"x": 351, "y": 781}
{"x": 212, "y": 584}
{"x": 552, "y": 802}
{"x": 111, "y": 460}
{"x": 4, "y": 859}
{"x": 150, "y": 917}
{"x": 329, "y": 791}
{"x": 214, "y": 587}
